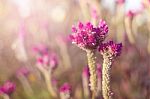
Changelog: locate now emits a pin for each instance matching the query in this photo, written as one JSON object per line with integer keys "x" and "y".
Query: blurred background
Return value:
{"x": 27, "y": 27}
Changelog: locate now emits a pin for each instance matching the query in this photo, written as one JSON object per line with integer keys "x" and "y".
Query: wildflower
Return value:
{"x": 8, "y": 88}
{"x": 65, "y": 91}
{"x": 109, "y": 50}
{"x": 87, "y": 36}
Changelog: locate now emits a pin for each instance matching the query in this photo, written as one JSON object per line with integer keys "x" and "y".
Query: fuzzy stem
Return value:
{"x": 92, "y": 67}
{"x": 106, "y": 91}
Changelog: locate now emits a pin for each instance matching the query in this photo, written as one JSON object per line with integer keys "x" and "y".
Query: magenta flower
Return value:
{"x": 8, "y": 88}
{"x": 130, "y": 14}
{"x": 87, "y": 36}
{"x": 65, "y": 88}
{"x": 65, "y": 91}
{"x": 110, "y": 49}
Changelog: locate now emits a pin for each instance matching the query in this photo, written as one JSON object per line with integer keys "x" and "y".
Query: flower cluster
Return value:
{"x": 87, "y": 36}
{"x": 110, "y": 49}
{"x": 8, "y": 88}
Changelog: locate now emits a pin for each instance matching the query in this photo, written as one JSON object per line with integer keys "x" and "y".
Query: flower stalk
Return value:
{"x": 92, "y": 69}
{"x": 109, "y": 51}
{"x": 106, "y": 90}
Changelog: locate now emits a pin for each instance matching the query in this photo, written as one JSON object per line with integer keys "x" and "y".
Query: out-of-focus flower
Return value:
{"x": 23, "y": 71}
{"x": 65, "y": 91}
{"x": 120, "y": 1}
{"x": 8, "y": 88}
{"x": 110, "y": 49}
{"x": 40, "y": 49}
{"x": 48, "y": 61}
{"x": 87, "y": 36}
{"x": 130, "y": 14}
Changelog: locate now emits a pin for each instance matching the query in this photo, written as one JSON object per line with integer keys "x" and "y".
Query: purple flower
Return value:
{"x": 87, "y": 36}
{"x": 110, "y": 49}
{"x": 8, "y": 88}
{"x": 65, "y": 88}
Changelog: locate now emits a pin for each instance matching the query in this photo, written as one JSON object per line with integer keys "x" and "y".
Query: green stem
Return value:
{"x": 92, "y": 68}
{"x": 106, "y": 91}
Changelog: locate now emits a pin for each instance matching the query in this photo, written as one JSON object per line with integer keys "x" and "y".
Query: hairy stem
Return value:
{"x": 92, "y": 67}
{"x": 106, "y": 91}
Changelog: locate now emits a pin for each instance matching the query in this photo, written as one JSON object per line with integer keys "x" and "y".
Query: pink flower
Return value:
{"x": 65, "y": 88}
{"x": 110, "y": 49}
{"x": 130, "y": 14}
{"x": 8, "y": 88}
{"x": 87, "y": 36}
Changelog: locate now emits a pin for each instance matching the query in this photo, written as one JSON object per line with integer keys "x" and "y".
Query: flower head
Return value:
{"x": 65, "y": 88}
{"x": 8, "y": 88}
{"x": 110, "y": 49}
{"x": 65, "y": 91}
{"x": 87, "y": 36}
